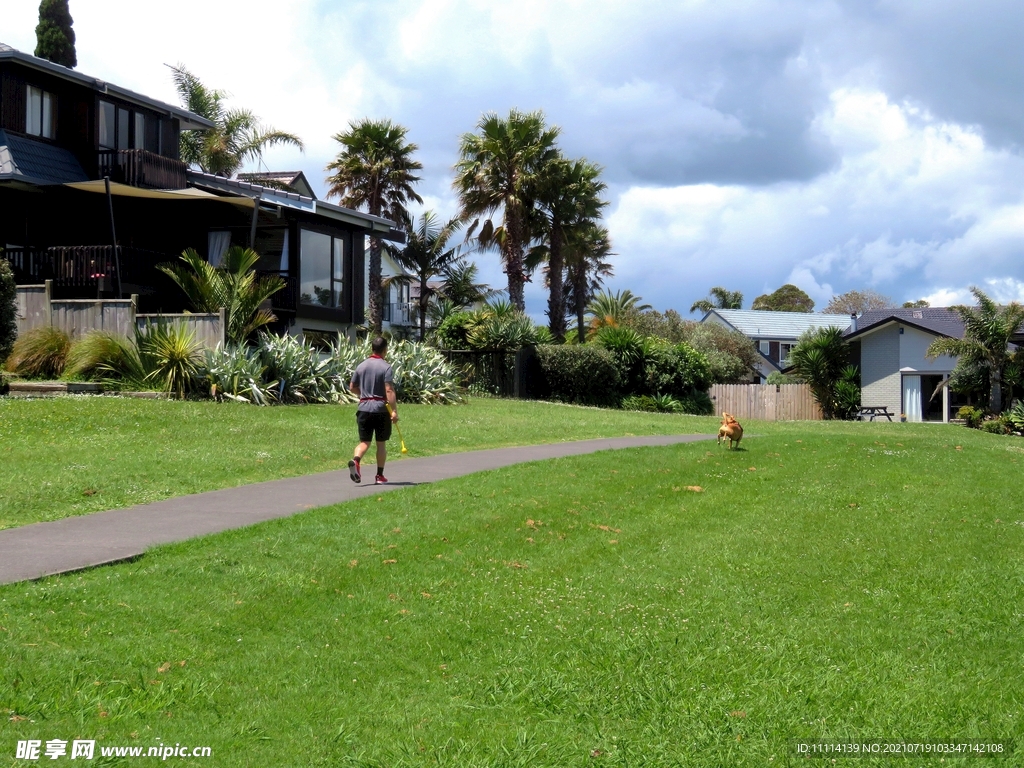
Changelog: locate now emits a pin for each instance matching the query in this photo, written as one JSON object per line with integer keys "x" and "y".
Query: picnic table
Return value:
{"x": 874, "y": 410}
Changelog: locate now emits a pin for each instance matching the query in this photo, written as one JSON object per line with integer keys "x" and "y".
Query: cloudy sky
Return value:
{"x": 746, "y": 143}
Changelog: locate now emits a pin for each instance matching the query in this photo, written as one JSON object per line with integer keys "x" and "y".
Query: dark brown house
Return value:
{"x": 93, "y": 195}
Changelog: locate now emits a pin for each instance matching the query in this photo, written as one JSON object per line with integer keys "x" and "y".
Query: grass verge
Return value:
{"x": 830, "y": 581}
{"x": 75, "y": 455}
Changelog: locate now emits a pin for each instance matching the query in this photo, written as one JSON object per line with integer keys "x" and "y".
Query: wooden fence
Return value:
{"x": 766, "y": 402}
{"x": 76, "y": 317}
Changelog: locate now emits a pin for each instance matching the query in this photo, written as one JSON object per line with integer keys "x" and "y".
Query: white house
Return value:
{"x": 890, "y": 345}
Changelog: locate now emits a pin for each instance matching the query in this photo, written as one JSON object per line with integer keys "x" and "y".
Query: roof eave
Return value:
{"x": 189, "y": 120}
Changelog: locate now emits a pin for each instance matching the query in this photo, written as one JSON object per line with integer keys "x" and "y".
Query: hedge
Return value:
{"x": 8, "y": 296}
{"x": 578, "y": 373}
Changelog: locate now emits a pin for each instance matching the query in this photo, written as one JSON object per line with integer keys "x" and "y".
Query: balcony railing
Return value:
{"x": 80, "y": 267}
{"x": 139, "y": 168}
{"x": 287, "y": 299}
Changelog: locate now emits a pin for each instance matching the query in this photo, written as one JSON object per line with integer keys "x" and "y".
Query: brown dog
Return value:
{"x": 730, "y": 430}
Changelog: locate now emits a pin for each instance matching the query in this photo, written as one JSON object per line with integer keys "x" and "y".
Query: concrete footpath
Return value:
{"x": 44, "y": 549}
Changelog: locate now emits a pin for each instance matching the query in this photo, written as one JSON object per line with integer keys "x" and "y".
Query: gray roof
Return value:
{"x": 189, "y": 120}
{"x": 293, "y": 181}
{"x": 36, "y": 162}
{"x": 759, "y": 324}
{"x": 380, "y": 227}
{"x": 938, "y": 320}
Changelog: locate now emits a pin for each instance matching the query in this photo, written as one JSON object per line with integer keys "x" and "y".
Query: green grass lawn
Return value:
{"x": 74, "y": 455}
{"x": 829, "y": 581}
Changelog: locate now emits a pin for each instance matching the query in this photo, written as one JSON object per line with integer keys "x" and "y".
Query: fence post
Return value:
{"x": 223, "y": 313}
{"x": 47, "y": 297}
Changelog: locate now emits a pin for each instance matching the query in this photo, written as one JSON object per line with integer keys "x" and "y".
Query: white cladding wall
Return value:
{"x": 913, "y": 344}
{"x": 880, "y": 369}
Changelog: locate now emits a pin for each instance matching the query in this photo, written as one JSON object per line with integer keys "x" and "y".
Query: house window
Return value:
{"x": 321, "y": 269}
{"x": 40, "y": 113}
{"x": 115, "y": 124}
{"x": 765, "y": 347}
{"x": 784, "y": 350}
{"x": 140, "y": 131}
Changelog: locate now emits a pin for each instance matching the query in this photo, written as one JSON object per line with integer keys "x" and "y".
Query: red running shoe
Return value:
{"x": 353, "y": 471}
{"x": 380, "y": 479}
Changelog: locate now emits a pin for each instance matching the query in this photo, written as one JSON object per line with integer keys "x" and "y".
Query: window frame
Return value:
{"x": 47, "y": 128}
{"x": 337, "y": 285}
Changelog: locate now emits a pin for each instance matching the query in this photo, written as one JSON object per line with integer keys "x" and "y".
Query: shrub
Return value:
{"x": 8, "y": 310}
{"x": 628, "y": 348}
{"x": 1015, "y": 416}
{"x": 677, "y": 370}
{"x": 170, "y": 355}
{"x": 236, "y": 373}
{"x": 301, "y": 373}
{"x": 656, "y": 404}
{"x": 506, "y": 331}
{"x": 454, "y": 330}
{"x": 972, "y": 416}
{"x": 697, "y": 403}
{"x": 579, "y": 373}
{"x": 107, "y": 356}
{"x": 996, "y": 426}
{"x": 422, "y": 374}
{"x": 41, "y": 353}
{"x": 821, "y": 357}
{"x": 777, "y": 377}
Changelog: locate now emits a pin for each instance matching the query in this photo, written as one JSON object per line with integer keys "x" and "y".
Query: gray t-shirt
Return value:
{"x": 370, "y": 376}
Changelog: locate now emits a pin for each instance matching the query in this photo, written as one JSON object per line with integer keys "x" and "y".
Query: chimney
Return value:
{"x": 853, "y": 321}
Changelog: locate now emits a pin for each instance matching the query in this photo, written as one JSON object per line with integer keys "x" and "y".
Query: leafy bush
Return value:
{"x": 8, "y": 295}
{"x": 677, "y": 370}
{"x": 821, "y": 357}
{"x": 1015, "y": 416}
{"x": 656, "y": 404}
{"x": 996, "y": 426}
{"x": 698, "y": 403}
{"x": 41, "y": 353}
{"x": 105, "y": 356}
{"x": 236, "y": 373}
{"x": 170, "y": 355}
{"x": 972, "y": 416}
{"x": 454, "y": 330}
{"x": 777, "y": 377}
{"x": 579, "y": 373}
{"x": 628, "y": 348}
{"x": 301, "y": 373}
{"x": 422, "y": 374}
{"x": 506, "y": 331}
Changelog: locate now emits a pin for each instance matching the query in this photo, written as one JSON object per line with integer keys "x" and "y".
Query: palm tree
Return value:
{"x": 460, "y": 286}
{"x": 609, "y": 309}
{"x": 374, "y": 170}
{"x": 987, "y": 332}
{"x": 569, "y": 193}
{"x": 426, "y": 255}
{"x": 498, "y": 169}
{"x": 586, "y": 267}
{"x": 237, "y": 136}
{"x": 821, "y": 357}
{"x": 234, "y": 286}
{"x": 719, "y": 298}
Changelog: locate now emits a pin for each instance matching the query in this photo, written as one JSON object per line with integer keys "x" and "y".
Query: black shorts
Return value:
{"x": 370, "y": 422}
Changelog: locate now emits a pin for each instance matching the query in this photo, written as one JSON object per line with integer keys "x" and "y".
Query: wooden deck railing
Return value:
{"x": 139, "y": 168}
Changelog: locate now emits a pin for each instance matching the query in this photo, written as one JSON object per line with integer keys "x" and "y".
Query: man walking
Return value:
{"x": 378, "y": 408}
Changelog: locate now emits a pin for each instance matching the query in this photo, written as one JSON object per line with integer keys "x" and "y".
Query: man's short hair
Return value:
{"x": 379, "y": 345}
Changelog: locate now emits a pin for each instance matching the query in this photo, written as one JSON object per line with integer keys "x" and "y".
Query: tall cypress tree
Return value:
{"x": 55, "y": 39}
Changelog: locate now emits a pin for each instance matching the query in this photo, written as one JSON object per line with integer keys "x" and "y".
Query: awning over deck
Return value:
{"x": 123, "y": 190}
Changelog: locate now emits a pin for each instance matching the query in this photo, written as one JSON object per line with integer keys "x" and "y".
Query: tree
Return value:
{"x": 919, "y": 304}
{"x": 987, "y": 332}
{"x": 788, "y": 298}
{"x": 499, "y": 169}
{"x": 374, "y": 170}
{"x": 611, "y": 309}
{"x": 719, "y": 298}
{"x": 55, "y": 39}
{"x": 569, "y": 193}
{"x": 821, "y": 357}
{"x": 233, "y": 286}
{"x": 460, "y": 286}
{"x": 857, "y": 303}
{"x": 426, "y": 254}
{"x": 586, "y": 267}
{"x": 237, "y": 136}
{"x": 8, "y": 310}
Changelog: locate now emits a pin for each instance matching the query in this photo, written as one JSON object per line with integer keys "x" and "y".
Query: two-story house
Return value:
{"x": 773, "y": 333}
{"x": 93, "y": 195}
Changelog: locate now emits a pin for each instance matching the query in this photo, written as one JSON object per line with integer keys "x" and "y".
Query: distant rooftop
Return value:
{"x": 777, "y": 325}
{"x": 939, "y": 320}
{"x": 292, "y": 181}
